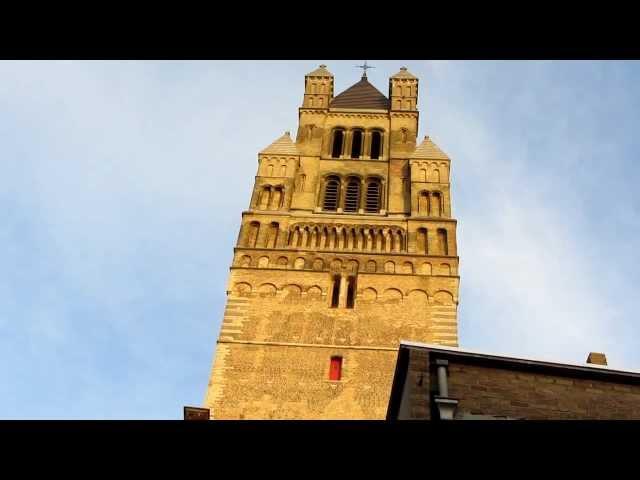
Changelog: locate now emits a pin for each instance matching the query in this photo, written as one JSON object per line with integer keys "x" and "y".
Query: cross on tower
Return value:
{"x": 364, "y": 68}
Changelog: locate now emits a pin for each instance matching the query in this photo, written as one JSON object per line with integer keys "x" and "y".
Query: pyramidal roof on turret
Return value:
{"x": 404, "y": 73}
{"x": 282, "y": 146}
{"x": 321, "y": 71}
{"x": 429, "y": 150}
{"x": 361, "y": 95}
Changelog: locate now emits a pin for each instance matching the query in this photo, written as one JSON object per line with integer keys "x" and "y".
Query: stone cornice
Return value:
{"x": 406, "y": 114}
{"x": 353, "y": 253}
{"x": 350, "y": 114}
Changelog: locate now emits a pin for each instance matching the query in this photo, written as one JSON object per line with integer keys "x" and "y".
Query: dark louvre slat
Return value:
{"x": 373, "y": 198}
{"x": 352, "y": 199}
{"x": 331, "y": 196}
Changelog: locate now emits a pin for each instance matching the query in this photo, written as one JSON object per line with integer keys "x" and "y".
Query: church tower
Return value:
{"x": 347, "y": 247}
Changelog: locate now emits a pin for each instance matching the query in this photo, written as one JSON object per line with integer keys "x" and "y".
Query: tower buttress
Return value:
{"x": 318, "y": 93}
{"x": 403, "y": 114}
{"x": 318, "y": 88}
{"x": 403, "y": 91}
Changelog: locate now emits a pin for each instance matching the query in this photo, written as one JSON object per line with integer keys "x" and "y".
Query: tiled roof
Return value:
{"x": 284, "y": 145}
{"x": 428, "y": 149}
{"x": 361, "y": 95}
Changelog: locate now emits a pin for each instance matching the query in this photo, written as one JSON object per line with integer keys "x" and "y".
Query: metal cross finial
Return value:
{"x": 364, "y": 68}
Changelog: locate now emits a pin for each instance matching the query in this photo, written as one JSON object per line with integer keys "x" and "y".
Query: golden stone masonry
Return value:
{"x": 348, "y": 246}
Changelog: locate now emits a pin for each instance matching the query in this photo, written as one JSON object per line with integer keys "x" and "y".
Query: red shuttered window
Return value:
{"x": 335, "y": 369}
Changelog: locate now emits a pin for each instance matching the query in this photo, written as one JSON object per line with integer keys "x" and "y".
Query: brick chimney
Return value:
{"x": 597, "y": 358}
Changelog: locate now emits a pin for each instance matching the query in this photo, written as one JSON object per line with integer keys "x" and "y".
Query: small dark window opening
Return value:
{"x": 352, "y": 197}
{"x": 331, "y": 192}
{"x": 376, "y": 145}
{"x": 351, "y": 292}
{"x": 335, "y": 294}
{"x": 336, "y": 150}
{"x": 442, "y": 240}
{"x": 335, "y": 368}
{"x": 422, "y": 242}
{"x": 373, "y": 197}
{"x": 356, "y": 144}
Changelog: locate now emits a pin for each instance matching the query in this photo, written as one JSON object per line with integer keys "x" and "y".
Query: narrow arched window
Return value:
{"x": 436, "y": 205}
{"x": 376, "y": 145}
{"x": 443, "y": 248}
{"x": 356, "y": 144}
{"x": 265, "y": 197}
{"x": 422, "y": 246}
{"x": 331, "y": 194}
{"x": 423, "y": 203}
{"x": 338, "y": 139}
{"x": 335, "y": 293}
{"x": 272, "y": 235}
{"x": 352, "y": 197}
{"x": 373, "y": 196}
{"x": 276, "y": 199}
{"x": 351, "y": 292}
{"x": 252, "y": 237}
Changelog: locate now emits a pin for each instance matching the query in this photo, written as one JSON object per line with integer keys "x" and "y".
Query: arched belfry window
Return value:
{"x": 442, "y": 242}
{"x": 376, "y": 145}
{"x": 372, "y": 204}
{"x": 423, "y": 203}
{"x": 335, "y": 293}
{"x": 352, "y": 196}
{"x": 356, "y": 144}
{"x": 331, "y": 194}
{"x": 338, "y": 140}
{"x": 252, "y": 234}
{"x": 351, "y": 292}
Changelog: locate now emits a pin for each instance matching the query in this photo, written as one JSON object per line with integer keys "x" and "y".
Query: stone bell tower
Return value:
{"x": 347, "y": 247}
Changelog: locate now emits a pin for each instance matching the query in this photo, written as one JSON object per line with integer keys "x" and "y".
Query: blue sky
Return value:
{"x": 117, "y": 230}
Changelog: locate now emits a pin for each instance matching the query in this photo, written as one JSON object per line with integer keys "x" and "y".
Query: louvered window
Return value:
{"x": 373, "y": 197}
{"x": 331, "y": 192}
{"x": 352, "y": 198}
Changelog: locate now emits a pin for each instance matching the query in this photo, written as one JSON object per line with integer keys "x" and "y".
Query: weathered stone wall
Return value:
{"x": 294, "y": 306}
{"x": 268, "y": 381}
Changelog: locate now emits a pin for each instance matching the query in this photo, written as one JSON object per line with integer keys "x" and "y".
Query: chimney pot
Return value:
{"x": 597, "y": 358}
